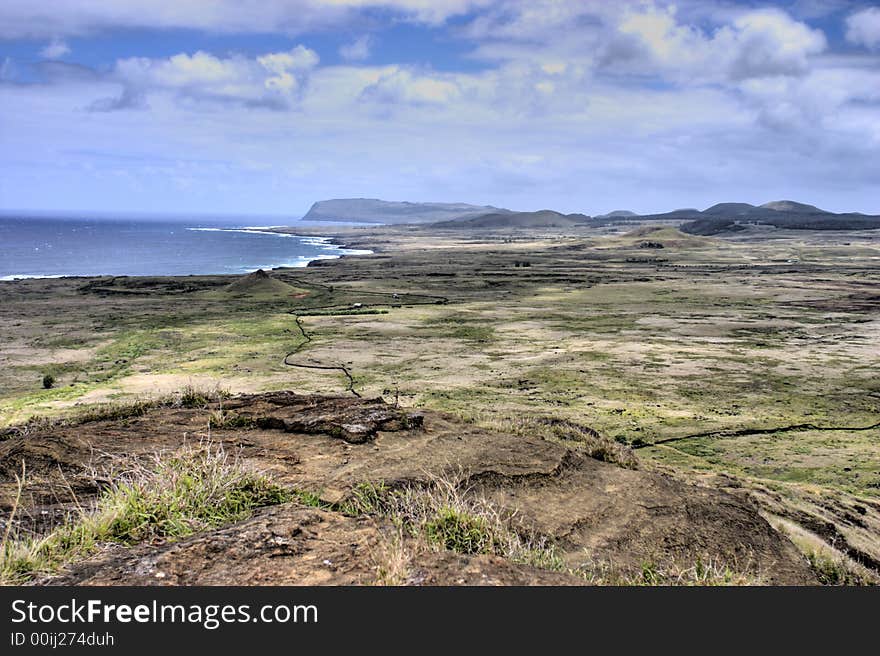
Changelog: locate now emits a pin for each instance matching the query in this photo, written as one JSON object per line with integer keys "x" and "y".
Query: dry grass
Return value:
{"x": 394, "y": 558}
{"x": 446, "y": 516}
{"x": 704, "y": 572}
{"x": 188, "y": 396}
{"x": 829, "y": 563}
{"x": 169, "y": 495}
{"x": 834, "y": 568}
{"x": 569, "y": 433}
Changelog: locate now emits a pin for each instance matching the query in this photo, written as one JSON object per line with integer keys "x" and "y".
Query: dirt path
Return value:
{"x": 403, "y": 299}
{"x": 794, "y": 428}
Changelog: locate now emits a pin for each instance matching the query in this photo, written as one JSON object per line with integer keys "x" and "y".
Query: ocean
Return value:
{"x": 49, "y": 247}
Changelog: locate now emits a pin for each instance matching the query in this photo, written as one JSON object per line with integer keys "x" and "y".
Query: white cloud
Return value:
{"x": 55, "y": 49}
{"x": 299, "y": 58}
{"x": 272, "y": 80}
{"x": 287, "y": 66}
{"x": 401, "y": 85}
{"x": 863, "y": 28}
{"x": 757, "y": 43}
{"x": 769, "y": 42}
{"x": 357, "y": 50}
{"x": 31, "y": 19}
{"x": 575, "y": 105}
{"x": 822, "y": 102}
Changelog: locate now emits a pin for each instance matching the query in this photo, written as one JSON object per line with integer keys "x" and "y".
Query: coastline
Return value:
{"x": 335, "y": 249}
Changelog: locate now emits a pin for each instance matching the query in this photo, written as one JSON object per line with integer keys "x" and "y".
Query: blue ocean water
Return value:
{"x": 46, "y": 246}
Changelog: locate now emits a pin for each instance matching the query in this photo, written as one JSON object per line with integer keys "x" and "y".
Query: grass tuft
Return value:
{"x": 836, "y": 569}
{"x": 445, "y": 516}
{"x": 455, "y": 530}
{"x": 169, "y": 496}
{"x": 703, "y": 572}
{"x": 227, "y": 420}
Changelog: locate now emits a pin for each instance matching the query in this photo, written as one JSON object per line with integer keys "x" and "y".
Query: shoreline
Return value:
{"x": 322, "y": 241}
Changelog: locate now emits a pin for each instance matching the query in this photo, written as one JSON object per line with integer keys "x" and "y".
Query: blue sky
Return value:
{"x": 247, "y": 107}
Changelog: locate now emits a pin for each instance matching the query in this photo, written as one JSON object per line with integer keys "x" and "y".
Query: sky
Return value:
{"x": 264, "y": 106}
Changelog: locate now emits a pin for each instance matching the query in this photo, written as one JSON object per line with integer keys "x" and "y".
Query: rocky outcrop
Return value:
{"x": 594, "y": 511}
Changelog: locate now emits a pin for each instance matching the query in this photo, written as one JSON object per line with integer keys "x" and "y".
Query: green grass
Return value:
{"x": 454, "y": 530}
{"x": 340, "y": 313}
{"x": 188, "y": 396}
{"x": 311, "y": 499}
{"x": 650, "y": 573}
{"x": 835, "y": 570}
{"x": 470, "y": 327}
{"x": 170, "y": 497}
{"x": 447, "y": 517}
{"x": 227, "y": 420}
{"x": 473, "y": 333}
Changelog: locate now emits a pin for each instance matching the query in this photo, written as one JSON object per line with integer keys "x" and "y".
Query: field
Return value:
{"x": 749, "y": 362}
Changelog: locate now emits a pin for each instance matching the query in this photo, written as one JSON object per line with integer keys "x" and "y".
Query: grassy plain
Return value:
{"x": 752, "y": 358}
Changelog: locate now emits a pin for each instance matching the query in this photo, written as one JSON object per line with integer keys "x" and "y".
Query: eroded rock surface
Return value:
{"x": 594, "y": 511}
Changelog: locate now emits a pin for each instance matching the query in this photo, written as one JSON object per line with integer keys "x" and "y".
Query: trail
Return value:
{"x": 757, "y": 431}
{"x": 402, "y": 299}
{"x": 307, "y": 339}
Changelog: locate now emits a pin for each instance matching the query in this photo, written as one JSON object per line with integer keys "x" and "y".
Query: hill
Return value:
{"x": 729, "y": 209}
{"x": 616, "y": 214}
{"x": 373, "y": 210}
{"x": 260, "y": 283}
{"x": 792, "y": 206}
{"x": 539, "y": 219}
{"x": 781, "y": 214}
{"x": 651, "y": 237}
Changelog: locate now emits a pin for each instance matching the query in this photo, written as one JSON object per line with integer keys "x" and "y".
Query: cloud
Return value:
{"x": 757, "y": 43}
{"x": 55, "y": 49}
{"x": 769, "y": 42}
{"x": 692, "y": 42}
{"x": 863, "y": 28}
{"x": 821, "y": 103}
{"x": 571, "y": 105}
{"x": 273, "y": 80}
{"x": 30, "y": 19}
{"x": 130, "y": 98}
{"x": 357, "y": 50}
{"x": 401, "y": 85}
{"x": 288, "y": 68}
